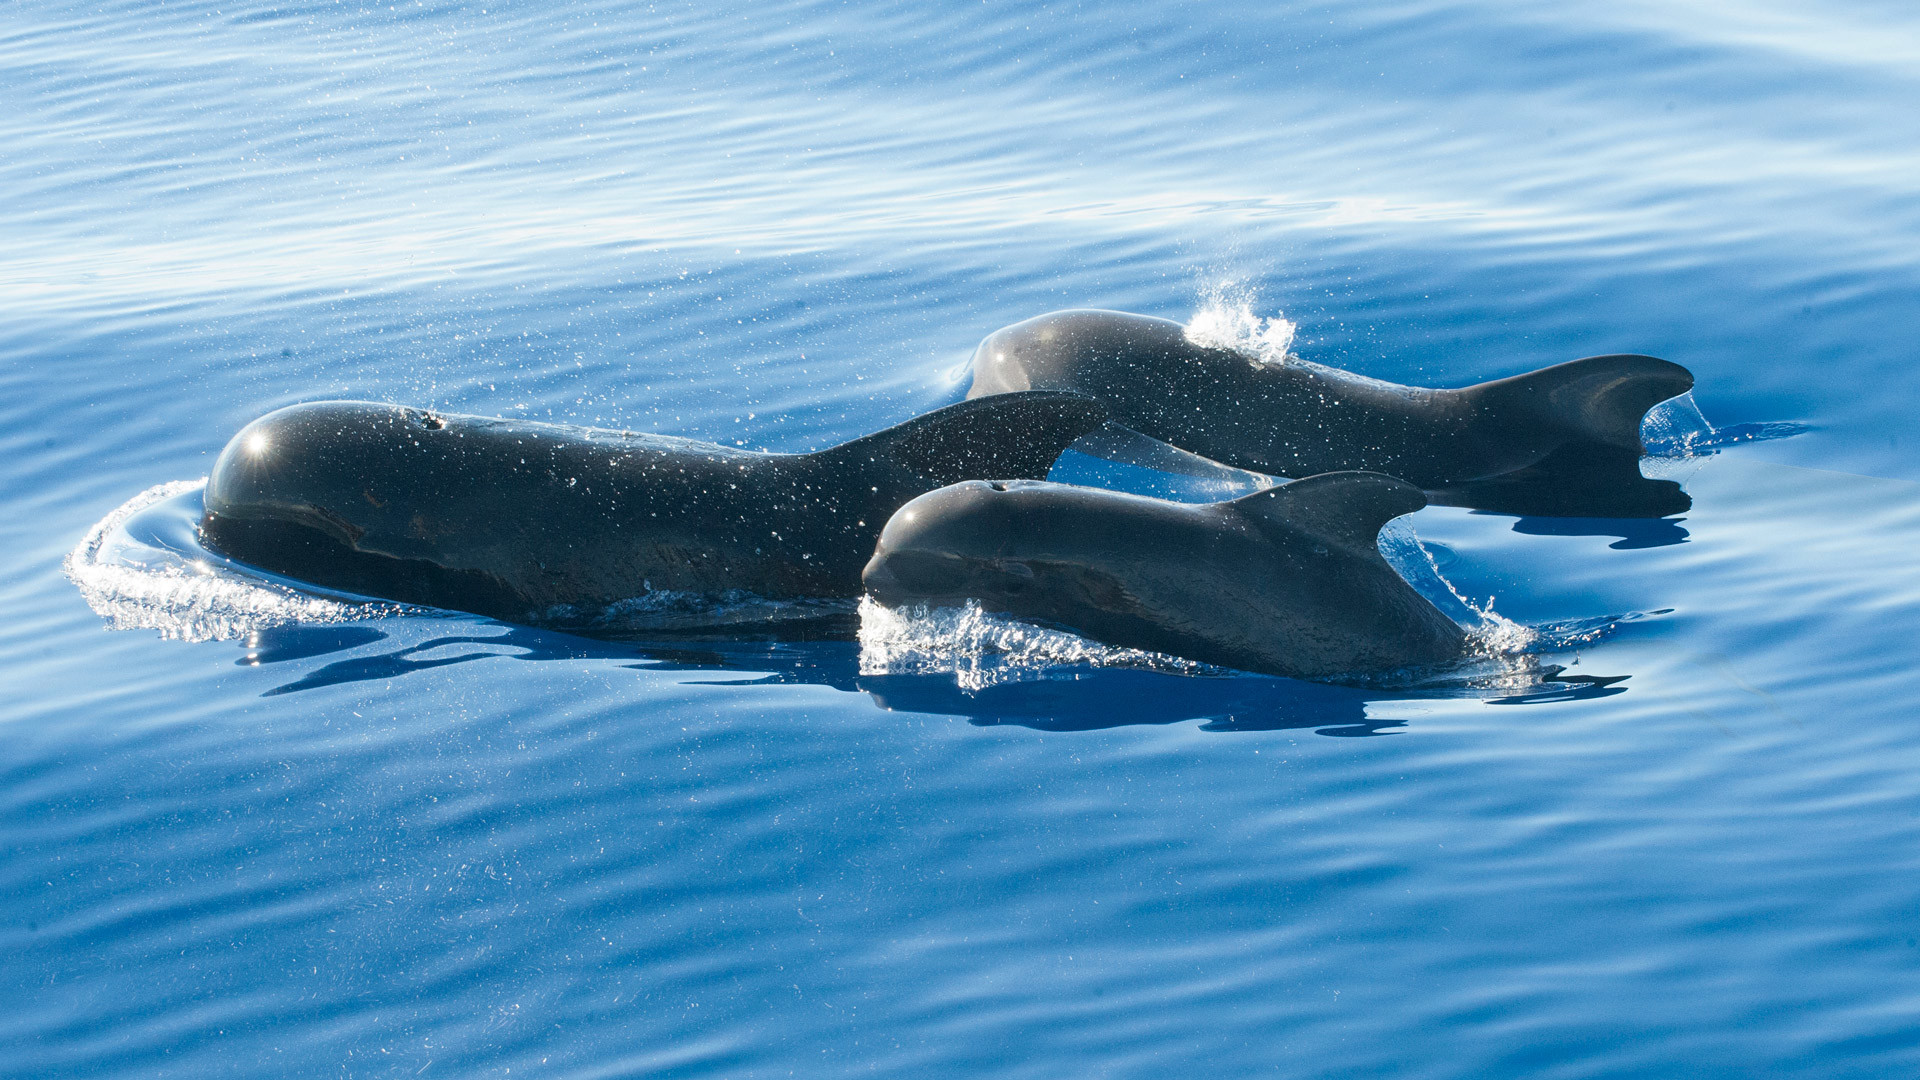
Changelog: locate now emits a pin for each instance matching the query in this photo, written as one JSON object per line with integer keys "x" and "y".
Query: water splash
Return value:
{"x": 1489, "y": 633}
{"x": 1226, "y": 320}
{"x": 982, "y": 650}
{"x": 735, "y": 613}
{"x": 1677, "y": 429}
{"x": 141, "y": 568}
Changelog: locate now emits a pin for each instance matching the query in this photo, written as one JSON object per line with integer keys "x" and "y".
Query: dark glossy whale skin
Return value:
{"x": 1288, "y": 581}
{"x": 1575, "y": 426}
{"x": 511, "y": 519}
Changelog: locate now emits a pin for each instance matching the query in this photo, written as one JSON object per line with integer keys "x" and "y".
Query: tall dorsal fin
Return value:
{"x": 1007, "y": 436}
{"x": 1347, "y": 508}
{"x": 1601, "y": 399}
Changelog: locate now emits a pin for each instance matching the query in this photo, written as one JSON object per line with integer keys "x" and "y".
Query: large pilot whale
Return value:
{"x": 1560, "y": 440}
{"x": 1287, "y": 581}
{"x": 510, "y": 518}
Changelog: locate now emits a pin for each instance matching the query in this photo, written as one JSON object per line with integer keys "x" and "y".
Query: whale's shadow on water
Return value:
{"x": 1098, "y": 699}
{"x": 1080, "y": 699}
{"x": 1574, "y": 482}
{"x": 1634, "y": 533}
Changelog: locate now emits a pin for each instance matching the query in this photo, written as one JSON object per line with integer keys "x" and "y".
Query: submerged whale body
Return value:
{"x": 1286, "y": 581}
{"x": 1564, "y": 440}
{"x": 512, "y": 519}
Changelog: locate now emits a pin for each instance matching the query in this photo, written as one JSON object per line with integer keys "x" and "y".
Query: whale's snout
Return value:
{"x": 936, "y": 546}
{"x": 898, "y": 577}
{"x": 316, "y": 468}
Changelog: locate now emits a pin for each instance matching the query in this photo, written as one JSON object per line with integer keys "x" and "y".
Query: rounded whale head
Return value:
{"x": 343, "y": 469}
{"x": 1288, "y": 581}
{"x": 1066, "y": 350}
{"x": 966, "y": 540}
{"x": 363, "y": 496}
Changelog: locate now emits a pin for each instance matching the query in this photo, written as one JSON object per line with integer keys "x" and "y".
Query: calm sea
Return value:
{"x": 250, "y": 833}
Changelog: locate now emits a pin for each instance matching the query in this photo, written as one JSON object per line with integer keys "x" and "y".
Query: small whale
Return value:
{"x": 1564, "y": 440}
{"x": 512, "y": 519}
{"x": 1286, "y": 581}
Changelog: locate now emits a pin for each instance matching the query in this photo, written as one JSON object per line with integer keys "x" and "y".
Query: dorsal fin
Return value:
{"x": 1347, "y": 508}
{"x": 1005, "y": 437}
{"x": 1600, "y": 399}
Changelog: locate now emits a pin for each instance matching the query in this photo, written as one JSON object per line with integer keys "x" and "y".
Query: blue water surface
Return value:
{"x": 302, "y": 841}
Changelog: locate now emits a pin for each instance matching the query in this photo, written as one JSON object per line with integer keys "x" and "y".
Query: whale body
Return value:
{"x": 1286, "y": 581}
{"x": 1562, "y": 440}
{"x": 512, "y": 519}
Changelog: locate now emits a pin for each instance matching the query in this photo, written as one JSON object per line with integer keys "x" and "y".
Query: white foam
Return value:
{"x": 670, "y": 611}
{"x": 1226, "y": 320}
{"x": 1676, "y": 428}
{"x": 982, "y": 650}
{"x": 1677, "y": 435}
{"x": 140, "y": 586}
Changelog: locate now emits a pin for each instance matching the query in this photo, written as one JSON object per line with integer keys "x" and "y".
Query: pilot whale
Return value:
{"x": 510, "y": 519}
{"x": 1560, "y": 440}
{"x": 1286, "y": 581}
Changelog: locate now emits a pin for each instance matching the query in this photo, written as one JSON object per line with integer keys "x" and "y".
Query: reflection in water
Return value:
{"x": 277, "y": 644}
{"x": 1577, "y": 481}
{"x": 1569, "y": 688}
{"x": 527, "y": 643}
{"x": 1086, "y": 698}
{"x": 1633, "y": 532}
{"x": 1098, "y": 698}
{"x": 1585, "y": 480}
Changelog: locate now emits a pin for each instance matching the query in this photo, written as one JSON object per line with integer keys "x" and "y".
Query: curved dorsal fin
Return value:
{"x": 1347, "y": 508}
{"x": 1008, "y": 436}
{"x": 1600, "y": 399}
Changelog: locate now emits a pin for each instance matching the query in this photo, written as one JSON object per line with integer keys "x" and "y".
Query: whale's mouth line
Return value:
{"x": 923, "y": 577}
{"x": 216, "y": 523}
{"x": 320, "y": 548}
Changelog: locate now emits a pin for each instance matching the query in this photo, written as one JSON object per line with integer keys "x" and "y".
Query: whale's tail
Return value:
{"x": 1006, "y": 436}
{"x": 1599, "y": 400}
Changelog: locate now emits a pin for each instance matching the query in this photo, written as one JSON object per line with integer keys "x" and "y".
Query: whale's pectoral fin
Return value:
{"x": 1347, "y": 508}
{"x": 1013, "y": 436}
{"x": 1600, "y": 399}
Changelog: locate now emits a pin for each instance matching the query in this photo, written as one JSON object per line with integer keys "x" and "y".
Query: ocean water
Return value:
{"x": 1666, "y": 826}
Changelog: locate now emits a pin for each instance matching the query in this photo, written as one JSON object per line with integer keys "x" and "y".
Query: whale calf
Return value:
{"x": 1286, "y": 581}
{"x": 510, "y": 518}
{"x": 1562, "y": 440}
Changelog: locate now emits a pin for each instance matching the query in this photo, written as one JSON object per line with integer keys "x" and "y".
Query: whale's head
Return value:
{"x": 1082, "y": 350}
{"x": 1023, "y": 547}
{"x": 315, "y": 480}
{"x": 944, "y": 546}
{"x": 336, "y": 467}
{"x": 367, "y": 497}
